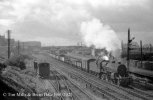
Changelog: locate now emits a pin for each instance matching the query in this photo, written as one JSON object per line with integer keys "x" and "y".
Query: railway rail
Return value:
{"x": 141, "y": 92}
{"x": 108, "y": 93}
{"x": 134, "y": 91}
{"x": 56, "y": 86}
{"x": 149, "y": 95}
{"x": 67, "y": 86}
{"x": 132, "y": 94}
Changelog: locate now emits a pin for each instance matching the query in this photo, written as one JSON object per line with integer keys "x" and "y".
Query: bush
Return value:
{"x": 17, "y": 61}
{"x": 2, "y": 66}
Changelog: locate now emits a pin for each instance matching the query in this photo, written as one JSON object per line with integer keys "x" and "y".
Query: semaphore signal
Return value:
{"x": 129, "y": 48}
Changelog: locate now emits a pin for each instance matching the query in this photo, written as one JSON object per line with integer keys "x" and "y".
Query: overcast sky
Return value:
{"x": 57, "y": 22}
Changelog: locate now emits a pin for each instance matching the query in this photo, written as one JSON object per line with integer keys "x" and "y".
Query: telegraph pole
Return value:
{"x": 128, "y": 50}
{"x": 23, "y": 46}
{"x": 18, "y": 47}
{"x": 150, "y": 48}
{"x": 141, "y": 52}
{"x": 9, "y": 51}
{"x": 122, "y": 48}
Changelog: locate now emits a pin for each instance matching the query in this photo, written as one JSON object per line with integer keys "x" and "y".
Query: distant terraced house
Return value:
{"x": 28, "y": 44}
{"x": 4, "y": 41}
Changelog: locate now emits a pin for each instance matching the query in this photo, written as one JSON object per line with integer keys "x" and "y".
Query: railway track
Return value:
{"x": 141, "y": 92}
{"x": 56, "y": 86}
{"x": 103, "y": 90}
{"x": 132, "y": 94}
{"x": 134, "y": 91}
{"x": 108, "y": 93}
{"x": 46, "y": 90}
{"x": 67, "y": 86}
{"x": 79, "y": 93}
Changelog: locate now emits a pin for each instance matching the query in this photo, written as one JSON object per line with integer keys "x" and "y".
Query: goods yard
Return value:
{"x": 78, "y": 73}
{"x": 114, "y": 71}
{"x": 73, "y": 76}
{"x": 98, "y": 87}
{"x": 76, "y": 49}
{"x": 76, "y": 77}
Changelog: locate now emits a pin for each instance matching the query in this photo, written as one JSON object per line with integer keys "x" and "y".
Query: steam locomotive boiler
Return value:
{"x": 114, "y": 72}
{"x": 118, "y": 75}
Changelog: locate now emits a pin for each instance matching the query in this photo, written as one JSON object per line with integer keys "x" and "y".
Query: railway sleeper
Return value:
{"x": 98, "y": 93}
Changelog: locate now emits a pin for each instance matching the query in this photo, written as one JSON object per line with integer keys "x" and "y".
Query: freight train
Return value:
{"x": 116, "y": 73}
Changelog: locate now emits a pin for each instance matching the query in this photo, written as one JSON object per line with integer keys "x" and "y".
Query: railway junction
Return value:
{"x": 88, "y": 86}
{"x": 52, "y": 77}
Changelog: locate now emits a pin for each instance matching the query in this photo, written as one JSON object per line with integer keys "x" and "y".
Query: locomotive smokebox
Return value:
{"x": 122, "y": 70}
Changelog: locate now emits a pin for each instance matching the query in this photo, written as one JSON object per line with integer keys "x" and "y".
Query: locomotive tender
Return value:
{"x": 44, "y": 70}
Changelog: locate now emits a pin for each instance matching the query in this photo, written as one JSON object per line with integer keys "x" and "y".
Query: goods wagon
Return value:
{"x": 93, "y": 68}
{"x": 80, "y": 61}
{"x": 61, "y": 57}
{"x": 44, "y": 70}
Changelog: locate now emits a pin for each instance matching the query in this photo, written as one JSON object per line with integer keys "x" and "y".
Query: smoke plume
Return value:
{"x": 94, "y": 32}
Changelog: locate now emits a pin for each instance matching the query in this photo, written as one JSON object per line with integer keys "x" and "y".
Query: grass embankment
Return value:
{"x": 18, "y": 74}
